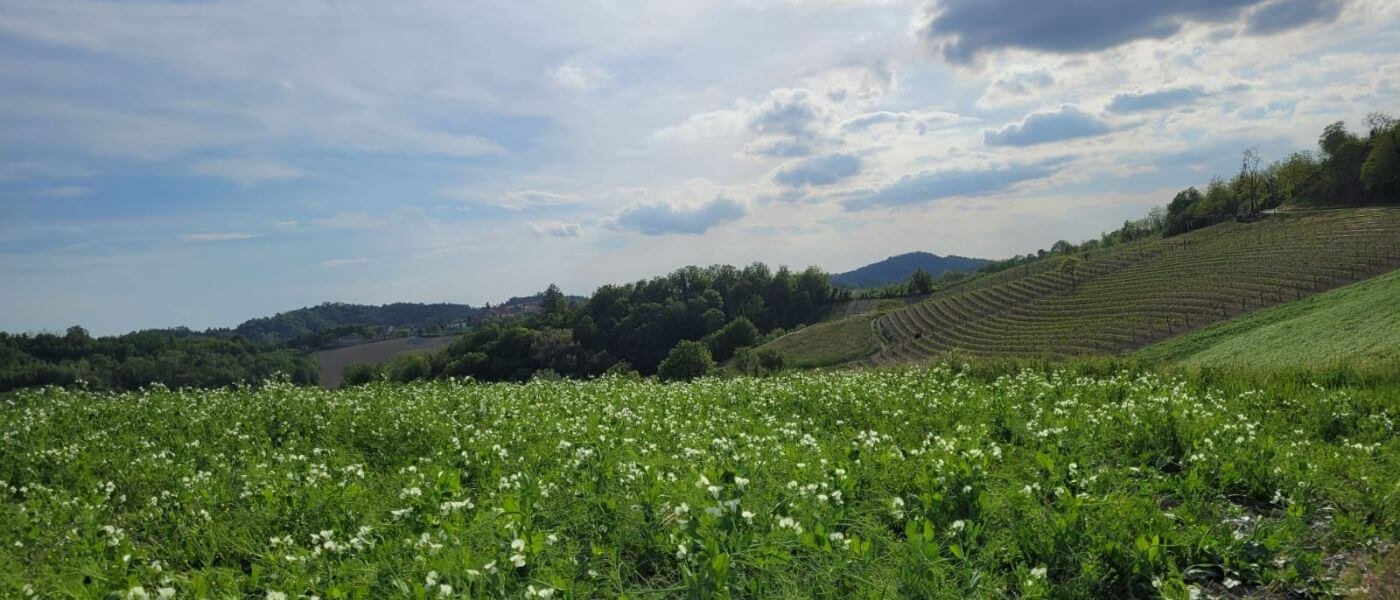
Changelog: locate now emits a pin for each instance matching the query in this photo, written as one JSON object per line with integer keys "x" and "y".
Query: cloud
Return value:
{"x": 216, "y": 237}
{"x": 1283, "y": 15}
{"x": 344, "y": 262}
{"x": 515, "y": 200}
{"x": 663, "y": 218}
{"x": 917, "y": 121}
{"x": 579, "y": 76}
{"x": 787, "y": 112}
{"x": 960, "y": 30}
{"x": 1016, "y": 86}
{"x": 1042, "y": 127}
{"x": 554, "y": 228}
{"x": 822, "y": 170}
{"x": 929, "y": 186}
{"x": 1155, "y": 100}
{"x": 780, "y": 147}
{"x": 246, "y": 172}
{"x": 64, "y": 192}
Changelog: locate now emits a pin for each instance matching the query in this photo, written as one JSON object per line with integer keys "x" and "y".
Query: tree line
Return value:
{"x": 721, "y": 309}
{"x": 175, "y": 357}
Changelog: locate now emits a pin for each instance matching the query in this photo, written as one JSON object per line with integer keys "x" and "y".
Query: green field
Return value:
{"x": 867, "y": 484}
{"x": 1357, "y": 323}
{"x": 826, "y": 344}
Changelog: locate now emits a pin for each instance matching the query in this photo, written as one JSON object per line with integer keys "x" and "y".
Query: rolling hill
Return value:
{"x": 1359, "y": 322}
{"x": 896, "y": 269}
{"x": 1130, "y": 296}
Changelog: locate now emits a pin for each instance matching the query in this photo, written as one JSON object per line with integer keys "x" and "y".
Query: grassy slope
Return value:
{"x": 1359, "y": 321}
{"x": 826, "y": 344}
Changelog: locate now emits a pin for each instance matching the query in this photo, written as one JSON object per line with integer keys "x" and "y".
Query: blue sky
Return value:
{"x": 201, "y": 163}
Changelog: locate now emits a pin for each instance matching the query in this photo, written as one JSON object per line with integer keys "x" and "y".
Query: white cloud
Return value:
{"x": 581, "y": 76}
{"x": 514, "y": 200}
{"x": 554, "y": 228}
{"x": 344, "y": 262}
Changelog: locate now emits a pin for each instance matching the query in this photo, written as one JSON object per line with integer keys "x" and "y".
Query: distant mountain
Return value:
{"x": 896, "y": 269}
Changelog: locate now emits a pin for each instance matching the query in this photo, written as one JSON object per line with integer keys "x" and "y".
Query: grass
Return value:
{"x": 1052, "y": 482}
{"x": 1359, "y": 322}
{"x": 826, "y": 344}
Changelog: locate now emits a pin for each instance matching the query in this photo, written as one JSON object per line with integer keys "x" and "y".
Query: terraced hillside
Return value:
{"x": 1130, "y": 296}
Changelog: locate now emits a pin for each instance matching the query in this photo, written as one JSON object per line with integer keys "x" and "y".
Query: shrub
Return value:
{"x": 687, "y": 360}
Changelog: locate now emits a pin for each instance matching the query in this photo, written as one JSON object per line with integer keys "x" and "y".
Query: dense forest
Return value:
{"x": 628, "y": 327}
{"x": 305, "y": 324}
{"x": 176, "y": 358}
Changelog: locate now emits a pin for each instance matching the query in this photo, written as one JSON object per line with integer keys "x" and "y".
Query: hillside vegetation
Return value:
{"x": 872, "y": 484}
{"x": 1130, "y": 296}
{"x": 1359, "y": 322}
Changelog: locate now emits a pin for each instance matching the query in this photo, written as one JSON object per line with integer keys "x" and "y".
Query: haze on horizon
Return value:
{"x": 173, "y": 163}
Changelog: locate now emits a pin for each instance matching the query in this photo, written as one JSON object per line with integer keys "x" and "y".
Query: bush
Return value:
{"x": 737, "y": 334}
{"x": 358, "y": 374}
{"x": 687, "y": 360}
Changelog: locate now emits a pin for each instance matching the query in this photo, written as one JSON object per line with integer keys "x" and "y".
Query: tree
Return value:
{"x": 554, "y": 306}
{"x": 920, "y": 282}
{"x": 1381, "y": 171}
{"x": 737, "y": 334}
{"x": 1069, "y": 265}
{"x": 688, "y": 359}
{"x": 770, "y": 360}
{"x": 1249, "y": 174}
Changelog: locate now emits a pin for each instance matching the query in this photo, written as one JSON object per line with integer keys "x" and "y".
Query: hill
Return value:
{"x": 1359, "y": 322}
{"x": 896, "y": 269}
{"x": 1132, "y": 295}
{"x": 318, "y": 326}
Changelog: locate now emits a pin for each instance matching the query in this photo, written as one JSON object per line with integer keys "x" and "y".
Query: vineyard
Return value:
{"x": 1127, "y": 297}
{"x": 932, "y": 483}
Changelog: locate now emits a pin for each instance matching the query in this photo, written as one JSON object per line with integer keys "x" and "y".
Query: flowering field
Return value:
{"x": 922, "y": 483}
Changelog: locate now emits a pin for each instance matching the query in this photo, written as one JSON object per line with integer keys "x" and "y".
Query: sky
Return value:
{"x": 201, "y": 162}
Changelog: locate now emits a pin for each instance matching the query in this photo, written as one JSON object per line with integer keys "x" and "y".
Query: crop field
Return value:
{"x": 1131, "y": 296}
{"x": 912, "y": 483}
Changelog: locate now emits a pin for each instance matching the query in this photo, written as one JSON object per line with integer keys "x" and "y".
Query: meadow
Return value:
{"x": 937, "y": 482}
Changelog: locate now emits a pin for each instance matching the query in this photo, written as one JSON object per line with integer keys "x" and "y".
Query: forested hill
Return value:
{"x": 303, "y": 322}
{"x": 314, "y": 325}
{"x": 898, "y": 269}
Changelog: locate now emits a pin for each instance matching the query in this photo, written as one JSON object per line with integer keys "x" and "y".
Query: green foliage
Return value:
{"x": 177, "y": 358}
{"x": 739, "y": 333}
{"x": 1381, "y": 172}
{"x": 920, "y": 282}
{"x": 688, "y": 360}
{"x": 317, "y": 325}
{"x": 359, "y": 374}
{"x": 1051, "y": 481}
{"x": 641, "y": 322}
